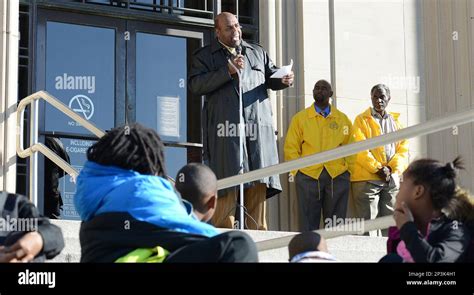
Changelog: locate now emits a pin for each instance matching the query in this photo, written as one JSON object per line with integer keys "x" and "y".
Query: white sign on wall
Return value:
{"x": 168, "y": 116}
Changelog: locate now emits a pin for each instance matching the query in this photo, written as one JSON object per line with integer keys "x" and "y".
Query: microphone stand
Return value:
{"x": 241, "y": 143}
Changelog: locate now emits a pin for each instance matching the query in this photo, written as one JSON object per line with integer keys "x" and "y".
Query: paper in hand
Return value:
{"x": 283, "y": 71}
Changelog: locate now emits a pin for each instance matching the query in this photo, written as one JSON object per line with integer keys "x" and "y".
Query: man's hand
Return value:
{"x": 238, "y": 61}
{"x": 24, "y": 250}
{"x": 402, "y": 215}
{"x": 288, "y": 79}
{"x": 385, "y": 173}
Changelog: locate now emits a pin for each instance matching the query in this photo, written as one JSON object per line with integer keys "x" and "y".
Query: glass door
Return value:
{"x": 79, "y": 61}
{"x": 157, "y": 64}
{"x": 113, "y": 72}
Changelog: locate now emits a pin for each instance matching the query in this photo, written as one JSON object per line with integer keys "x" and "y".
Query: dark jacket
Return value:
{"x": 17, "y": 206}
{"x": 209, "y": 76}
{"x": 447, "y": 241}
{"x": 53, "y": 201}
{"x": 105, "y": 238}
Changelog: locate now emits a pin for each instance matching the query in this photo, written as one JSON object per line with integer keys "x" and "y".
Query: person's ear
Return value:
{"x": 419, "y": 191}
{"x": 212, "y": 203}
{"x": 331, "y": 93}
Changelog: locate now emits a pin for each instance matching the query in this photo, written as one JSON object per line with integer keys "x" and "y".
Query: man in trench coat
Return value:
{"x": 211, "y": 75}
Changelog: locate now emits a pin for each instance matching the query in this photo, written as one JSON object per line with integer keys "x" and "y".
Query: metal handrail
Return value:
{"x": 351, "y": 149}
{"x": 425, "y": 128}
{"x": 446, "y": 122}
{"x": 329, "y": 233}
{"x": 35, "y": 146}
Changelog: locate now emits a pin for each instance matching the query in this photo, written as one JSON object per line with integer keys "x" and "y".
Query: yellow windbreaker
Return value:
{"x": 311, "y": 133}
{"x": 368, "y": 162}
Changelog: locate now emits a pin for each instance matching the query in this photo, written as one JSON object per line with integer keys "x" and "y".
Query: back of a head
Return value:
{"x": 304, "y": 242}
{"x": 439, "y": 179}
{"x": 131, "y": 147}
{"x": 195, "y": 182}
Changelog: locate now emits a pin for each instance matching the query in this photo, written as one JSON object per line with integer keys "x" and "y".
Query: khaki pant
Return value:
{"x": 373, "y": 200}
{"x": 254, "y": 201}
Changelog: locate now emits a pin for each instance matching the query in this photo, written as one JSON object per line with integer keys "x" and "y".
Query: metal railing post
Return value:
{"x": 34, "y": 156}
{"x": 36, "y": 146}
{"x": 379, "y": 223}
{"x": 425, "y": 128}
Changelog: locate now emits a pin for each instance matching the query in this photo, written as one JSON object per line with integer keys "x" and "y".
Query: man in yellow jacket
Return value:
{"x": 375, "y": 178}
{"x": 325, "y": 186}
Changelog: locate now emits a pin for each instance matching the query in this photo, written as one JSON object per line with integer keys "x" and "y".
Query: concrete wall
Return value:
{"x": 381, "y": 42}
{"x": 449, "y": 57}
{"x": 281, "y": 28}
{"x": 422, "y": 49}
{"x": 375, "y": 42}
{"x": 9, "y": 38}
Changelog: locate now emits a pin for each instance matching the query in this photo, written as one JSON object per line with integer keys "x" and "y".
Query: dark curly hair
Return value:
{"x": 439, "y": 179}
{"x": 131, "y": 147}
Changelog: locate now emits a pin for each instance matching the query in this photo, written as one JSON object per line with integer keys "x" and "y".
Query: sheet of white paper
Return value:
{"x": 283, "y": 71}
{"x": 168, "y": 116}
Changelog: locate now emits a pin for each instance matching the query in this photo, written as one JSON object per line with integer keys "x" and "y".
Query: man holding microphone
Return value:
{"x": 213, "y": 75}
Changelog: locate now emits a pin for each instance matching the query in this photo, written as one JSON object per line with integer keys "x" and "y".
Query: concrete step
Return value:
{"x": 347, "y": 248}
{"x": 72, "y": 249}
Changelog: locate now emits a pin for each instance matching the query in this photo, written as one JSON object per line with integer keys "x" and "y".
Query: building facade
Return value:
{"x": 116, "y": 62}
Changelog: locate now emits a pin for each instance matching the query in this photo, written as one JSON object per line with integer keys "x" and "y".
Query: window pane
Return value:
{"x": 161, "y": 85}
{"x": 80, "y": 72}
{"x": 229, "y": 6}
{"x": 246, "y": 8}
{"x": 77, "y": 151}
{"x": 175, "y": 159}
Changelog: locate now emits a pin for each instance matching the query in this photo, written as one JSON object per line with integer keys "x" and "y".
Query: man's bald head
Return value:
{"x": 228, "y": 29}
{"x": 322, "y": 91}
{"x": 325, "y": 83}
{"x": 223, "y": 16}
{"x": 196, "y": 183}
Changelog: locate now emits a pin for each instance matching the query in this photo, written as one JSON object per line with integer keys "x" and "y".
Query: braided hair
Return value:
{"x": 439, "y": 179}
{"x": 131, "y": 147}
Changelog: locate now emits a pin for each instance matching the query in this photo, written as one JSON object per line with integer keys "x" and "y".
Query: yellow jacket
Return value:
{"x": 311, "y": 133}
{"x": 367, "y": 163}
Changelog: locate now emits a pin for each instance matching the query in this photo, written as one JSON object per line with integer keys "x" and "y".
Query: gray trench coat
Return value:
{"x": 209, "y": 76}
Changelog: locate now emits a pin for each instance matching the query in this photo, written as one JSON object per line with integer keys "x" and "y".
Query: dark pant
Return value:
{"x": 330, "y": 195}
{"x": 231, "y": 246}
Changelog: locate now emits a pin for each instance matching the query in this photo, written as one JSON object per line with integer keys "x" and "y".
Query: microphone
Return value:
{"x": 239, "y": 49}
